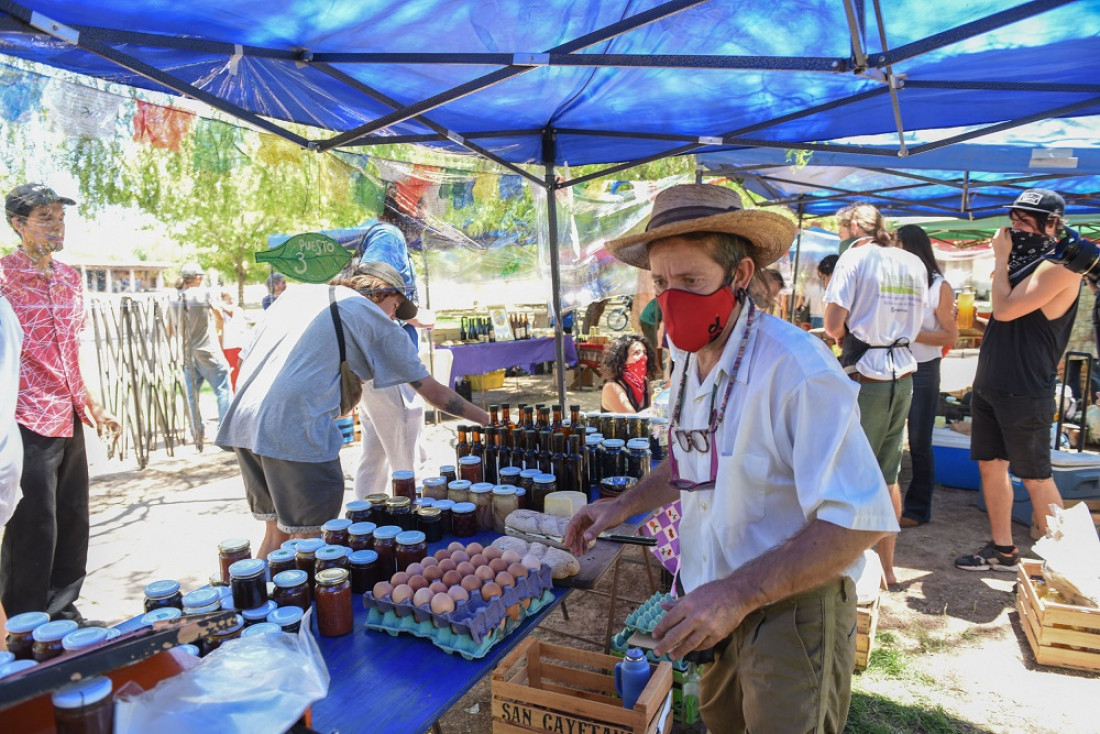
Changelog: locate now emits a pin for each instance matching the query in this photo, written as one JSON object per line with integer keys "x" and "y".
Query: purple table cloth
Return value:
{"x": 479, "y": 359}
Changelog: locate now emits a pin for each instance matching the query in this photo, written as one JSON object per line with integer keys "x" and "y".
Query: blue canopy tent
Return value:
{"x": 567, "y": 81}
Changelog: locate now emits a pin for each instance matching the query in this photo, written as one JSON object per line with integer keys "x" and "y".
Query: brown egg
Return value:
{"x": 399, "y": 578}
{"x": 452, "y": 578}
{"x": 474, "y": 548}
{"x": 459, "y": 594}
{"x": 418, "y": 582}
{"x": 438, "y": 587}
{"x": 513, "y": 612}
{"x": 466, "y": 568}
{"x": 491, "y": 552}
{"x": 441, "y": 554}
{"x": 430, "y": 561}
{"x": 381, "y": 589}
{"x": 443, "y": 604}
{"x": 518, "y": 571}
{"x": 423, "y": 597}
{"x": 470, "y": 582}
{"x": 402, "y": 593}
{"x": 479, "y": 560}
{"x": 510, "y": 556}
{"x": 531, "y": 562}
{"x": 415, "y": 569}
{"x": 459, "y": 556}
{"x": 484, "y": 573}
{"x": 504, "y": 580}
{"x": 433, "y": 573}
{"x": 455, "y": 546}
{"x": 498, "y": 565}
{"x": 490, "y": 591}
{"x": 447, "y": 564}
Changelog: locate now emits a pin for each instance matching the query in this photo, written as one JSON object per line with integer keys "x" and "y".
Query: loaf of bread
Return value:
{"x": 562, "y": 563}
{"x": 538, "y": 523}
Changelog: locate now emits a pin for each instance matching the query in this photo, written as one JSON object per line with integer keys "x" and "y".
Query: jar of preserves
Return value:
{"x": 330, "y": 556}
{"x": 364, "y": 571}
{"x": 435, "y": 488}
{"x": 403, "y": 484}
{"x": 463, "y": 521}
{"x": 291, "y": 589}
{"x": 361, "y": 536}
{"x": 47, "y": 639}
{"x": 523, "y": 498}
{"x": 259, "y": 629}
{"x": 444, "y": 507}
{"x": 448, "y": 472}
{"x": 544, "y": 484}
{"x": 214, "y": 640}
{"x": 201, "y": 601}
{"x": 248, "y": 581}
{"x": 481, "y": 495}
{"x": 592, "y": 462}
{"x": 429, "y": 520}
{"x": 148, "y": 619}
{"x": 259, "y": 614}
{"x": 215, "y": 579}
{"x": 335, "y": 531}
{"x": 86, "y": 707}
{"x": 163, "y": 594}
{"x": 306, "y": 556}
{"x": 357, "y": 511}
{"x": 229, "y": 552}
{"x": 606, "y": 423}
{"x": 399, "y": 512}
{"x": 509, "y": 475}
{"x": 16, "y": 666}
{"x": 334, "y": 609}
{"x": 612, "y": 463}
{"x": 385, "y": 544}
{"x": 279, "y": 560}
{"x": 90, "y": 636}
{"x": 421, "y": 502}
{"x": 469, "y": 468}
{"x": 459, "y": 491}
{"x": 527, "y": 479}
{"x": 505, "y": 503}
{"x": 289, "y": 618}
{"x": 412, "y": 546}
{"x": 638, "y": 459}
{"x": 377, "y": 507}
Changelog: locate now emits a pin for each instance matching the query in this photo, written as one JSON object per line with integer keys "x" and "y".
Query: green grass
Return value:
{"x": 874, "y": 714}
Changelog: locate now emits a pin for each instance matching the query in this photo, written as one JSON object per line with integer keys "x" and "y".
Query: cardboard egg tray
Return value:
{"x": 644, "y": 620}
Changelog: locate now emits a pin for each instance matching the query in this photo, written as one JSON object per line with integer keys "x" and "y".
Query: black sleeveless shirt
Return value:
{"x": 1021, "y": 356}
{"x": 630, "y": 397}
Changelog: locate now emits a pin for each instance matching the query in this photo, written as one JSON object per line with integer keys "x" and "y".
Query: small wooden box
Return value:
{"x": 866, "y": 624}
{"x": 1061, "y": 635}
{"x": 541, "y": 687}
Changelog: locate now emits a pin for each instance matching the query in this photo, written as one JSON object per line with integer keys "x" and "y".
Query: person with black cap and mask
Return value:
{"x": 777, "y": 512}
{"x": 1034, "y": 306}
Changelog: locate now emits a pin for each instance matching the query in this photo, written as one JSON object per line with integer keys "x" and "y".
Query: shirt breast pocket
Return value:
{"x": 741, "y": 488}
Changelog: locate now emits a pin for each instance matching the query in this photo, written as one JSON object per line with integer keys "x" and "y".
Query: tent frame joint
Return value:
{"x": 55, "y": 28}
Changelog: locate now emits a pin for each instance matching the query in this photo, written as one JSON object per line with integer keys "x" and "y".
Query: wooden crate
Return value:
{"x": 541, "y": 687}
{"x": 866, "y": 624}
{"x": 1062, "y": 635}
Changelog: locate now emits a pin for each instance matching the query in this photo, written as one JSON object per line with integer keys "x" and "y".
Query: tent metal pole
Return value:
{"x": 892, "y": 80}
{"x": 797, "y": 256}
{"x": 555, "y": 269}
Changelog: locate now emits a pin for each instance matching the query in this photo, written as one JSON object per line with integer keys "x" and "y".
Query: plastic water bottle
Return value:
{"x": 631, "y": 675}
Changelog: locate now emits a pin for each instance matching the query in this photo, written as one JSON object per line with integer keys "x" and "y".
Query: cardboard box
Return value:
{"x": 1060, "y": 635}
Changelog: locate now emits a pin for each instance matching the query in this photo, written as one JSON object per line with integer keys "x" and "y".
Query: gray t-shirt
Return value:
{"x": 193, "y": 314}
{"x": 288, "y": 392}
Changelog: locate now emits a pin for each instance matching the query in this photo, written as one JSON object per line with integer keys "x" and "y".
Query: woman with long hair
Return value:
{"x": 629, "y": 363}
{"x": 938, "y": 329}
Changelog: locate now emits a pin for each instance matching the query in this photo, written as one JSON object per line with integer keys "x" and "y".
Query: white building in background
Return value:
{"x": 122, "y": 277}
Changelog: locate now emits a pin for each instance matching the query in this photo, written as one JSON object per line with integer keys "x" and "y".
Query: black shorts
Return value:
{"x": 300, "y": 496}
{"x": 1015, "y": 428}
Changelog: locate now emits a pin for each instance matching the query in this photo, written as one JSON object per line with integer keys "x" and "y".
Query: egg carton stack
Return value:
{"x": 475, "y": 625}
{"x": 645, "y": 619}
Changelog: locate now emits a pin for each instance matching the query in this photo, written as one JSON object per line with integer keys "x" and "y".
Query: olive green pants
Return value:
{"x": 786, "y": 668}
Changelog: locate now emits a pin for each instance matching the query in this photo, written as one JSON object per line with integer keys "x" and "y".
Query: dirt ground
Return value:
{"x": 956, "y": 634}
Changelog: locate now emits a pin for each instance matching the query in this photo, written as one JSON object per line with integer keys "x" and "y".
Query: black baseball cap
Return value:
{"x": 1041, "y": 201}
{"x": 23, "y": 199}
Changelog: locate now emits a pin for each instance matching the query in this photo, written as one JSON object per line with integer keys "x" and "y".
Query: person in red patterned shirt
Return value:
{"x": 44, "y": 554}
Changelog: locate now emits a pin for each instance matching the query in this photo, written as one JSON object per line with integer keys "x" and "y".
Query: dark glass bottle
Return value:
{"x": 530, "y": 449}
{"x": 555, "y": 420}
{"x": 462, "y": 447}
{"x": 576, "y": 423}
{"x": 516, "y": 458}
{"x": 546, "y": 454}
{"x": 557, "y": 460}
{"x": 544, "y": 416}
{"x": 492, "y": 455}
{"x": 504, "y": 455}
{"x": 506, "y": 415}
{"x": 494, "y": 416}
{"x": 477, "y": 448}
{"x": 529, "y": 418}
{"x": 574, "y": 466}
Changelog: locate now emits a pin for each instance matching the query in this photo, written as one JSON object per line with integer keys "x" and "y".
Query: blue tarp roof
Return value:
{"x": 580, "y": 82}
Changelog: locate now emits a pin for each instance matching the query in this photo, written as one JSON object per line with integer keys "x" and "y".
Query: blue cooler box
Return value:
{"x": 1077, "y": 477}
{"x": 951, "y": 452}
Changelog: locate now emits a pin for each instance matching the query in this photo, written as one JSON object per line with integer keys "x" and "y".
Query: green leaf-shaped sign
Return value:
{"x": 311, "y": 257}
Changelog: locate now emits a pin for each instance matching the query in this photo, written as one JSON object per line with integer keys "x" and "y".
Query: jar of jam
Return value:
{"x": 399, "y": 512}
{"x": 420, "y": 502}
{"x": 90, "y": 636}
{"x": 505, "y": 503}
{"x": 361, "y": 536}
{"x": 86, "y": 707}
{"x": 403, "y": 484}
{"x": 289, "y": 618}
{"x": 463, "y": 521}
{"x": 290, "y": 545}
{"x": 412, "y": 546}
{"x": 544, "y": 484}
{"x": 469, "y": 468}
{"x": 448, "y": 472}
{"x": 259, "y": 614}
{"x": 435, "y": 488}
{"x": 279, "y": 560}
{"x": 385, "y": 544}
{"x": 429, "y": 520}
{"x": 523, "y": 499}
{"x": 291, "y": 589}
{"x": 259, "y": 629}
{"x": 334, "y": 609}
{"x": 481, "y": 494}
{"x": 612, "y": 461}
{"x": 330, "y": 556}
{"x": 148, "y": 619}
{"x": 377, "y": 507}
{"x": 306, "y": 556}
{"x": 459, "y": 491}
{"x": 20, "y": 628}
{"x": 16, "y": 666}
{"x": 509, "y": 475}
{"x": 201, "y": 601}
{"x": 214, "y": 640}
{"x": 335, "y": 531}
{"x": 592, "y": 461}
{"x": 248, "y": 580}
{"x": 47, "y": 639}
{"x": 364, "y": 571}
{"x": 163, "y": 594}
{"x": 444, "y": 507}
{"x": 611, "y": 487}
{"x": 606, "y": 424}
{"x": 637, "y": 458}
{"x": 229, "y": 552}
{"x": 357, "y": 511}
{"x": 527, "y": 479}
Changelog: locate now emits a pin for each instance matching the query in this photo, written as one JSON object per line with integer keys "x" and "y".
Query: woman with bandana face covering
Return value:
{"x": 781, "y": 494}
{"x": 628, "y": 366}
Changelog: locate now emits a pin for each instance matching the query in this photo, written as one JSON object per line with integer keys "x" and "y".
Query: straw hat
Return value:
{"x": 704, "y": 208}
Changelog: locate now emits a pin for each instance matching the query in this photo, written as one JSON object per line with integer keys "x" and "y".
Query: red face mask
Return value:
{"x": 694, "y": 320}
{"x": 634, "y": 375}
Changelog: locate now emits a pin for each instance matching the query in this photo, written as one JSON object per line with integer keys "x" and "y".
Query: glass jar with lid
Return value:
{"x": 330, "y": 556}
{"x": 444, "y": 507}
{"x": 279, "y": 560}
{"x": 86, "y": 707}
{"x": 481, "y": 495}
{"x": 201, "y": 601}
{"x": 86, "y": 637}
{"x": 606, "y": 423}
{"x": 592, "y": 461}
{"x": 544, "y": 484}
{"x": 463, "y": 521}
{"x": 459, "y": 491}
{"x": 335, "y": 531}
{"x": 523, "y": 498}
{"x": 448, "y": 472}
{"x": 412, "y": 546}
{"x": 637, "y": 458}
{"x": 289, "y": 618}
{"x": 47, "y": 639}
{"x": 306, "y": 556}
{"x": 421, "y": 502}
{"x": 399, "y": 512}
{"x": 527, "y": 479}
{"x": 377, "y": 507}
{"x": 334, "y": 607}
{"x": 259, "y": 614}
{"x": 612, "y": 463}
{"x": 403, "y": 484}
{"x": 361, "y": 536}
{"x": 470, "y": 469}
{"x": 435, "y": 488}
{"x": 214, "y": 640}
{"x": 385, "y": 544}
{"x": 509, "y": 475}
{"x": 259, "y": 629}
{"x": 364, "y": 571}
{"x": 357, "y": 511}
{"x": 230, "y": 551}
{"x": 505, "y": 503}
{"x": 291, "y": 589}
{"x": 164, "y": 593}
{"x": 248, "y": 581}
{"x": 148, "y": 619}
{"x": 429, "y": 520}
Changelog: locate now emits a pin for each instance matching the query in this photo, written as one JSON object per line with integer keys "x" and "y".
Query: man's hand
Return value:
{"x": 1002, "y": 244}
{"x": 700, "y": 619}
{"x": 107, "y": 426}
{"x": 587, "y": 525}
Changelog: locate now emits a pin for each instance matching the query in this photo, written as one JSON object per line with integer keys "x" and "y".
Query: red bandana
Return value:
{"x": 634, "y": 375}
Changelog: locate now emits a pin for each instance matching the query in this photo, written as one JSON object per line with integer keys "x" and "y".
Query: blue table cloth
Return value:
{"x": 479, "y": 359}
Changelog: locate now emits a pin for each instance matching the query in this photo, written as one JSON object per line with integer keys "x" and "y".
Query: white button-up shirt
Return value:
{"x": 790, "y": 446}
